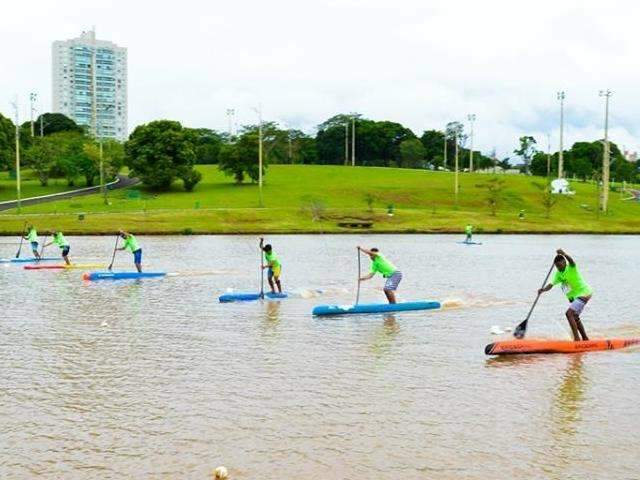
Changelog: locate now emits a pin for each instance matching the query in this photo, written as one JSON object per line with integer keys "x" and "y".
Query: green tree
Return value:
{"x": 412, "y": 153}
{"x": 42, "y": 157}
{"x": 207, "y": 145}
{"x": 56, "y": 122}
{"x": 7, "y": 142}
{"x": 547, "y": 198}
{"x": 161, "y": 152}
{"x": 494, "y": 193}
{"x": 241, "y": 158}
{"x": 433, "y": 142}
{"x": 526, "y": 150}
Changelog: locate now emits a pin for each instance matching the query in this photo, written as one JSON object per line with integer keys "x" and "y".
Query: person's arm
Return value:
{"x": 367, "y": 277}
{"x": 545, "y": 289}
{"x": 565, "y": 255}
{"x": 365, "y": 251}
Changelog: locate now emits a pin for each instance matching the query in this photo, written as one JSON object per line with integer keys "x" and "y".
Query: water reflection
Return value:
{"x": 384, "y": 336}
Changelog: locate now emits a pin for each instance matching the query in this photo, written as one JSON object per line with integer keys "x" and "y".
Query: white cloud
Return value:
{"x": 422, "y": 63}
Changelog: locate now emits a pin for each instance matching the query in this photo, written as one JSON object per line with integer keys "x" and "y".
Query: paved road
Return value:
{"x": 122, "y": 182}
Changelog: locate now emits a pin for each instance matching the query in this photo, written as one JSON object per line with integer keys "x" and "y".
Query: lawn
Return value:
{"x": 422, "y": 201}
{"x": 30, "y": 186}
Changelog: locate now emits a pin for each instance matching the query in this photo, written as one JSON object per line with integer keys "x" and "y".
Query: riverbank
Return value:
{"x": 329, "y": 199}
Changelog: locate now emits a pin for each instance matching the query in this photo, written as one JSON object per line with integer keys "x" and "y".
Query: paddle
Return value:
{"x": 359, "y": 270}
{"x": 261, "y": 269}
{"x": 521, "y": 329}
{"x": 44, "y": 244}
{"x": 115, "y": 249}
{"x": 21, "y": 239}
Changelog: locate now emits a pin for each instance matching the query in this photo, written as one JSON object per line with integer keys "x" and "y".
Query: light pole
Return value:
{"x": 346, "y": 143}
{"x": 471, "y": 118}
{"x": 456, "y": 186}
{"x": 259, "y": 112}
{"x": 445, "y": 149}
{"x": 230, "y": 113}
{"x": 103, "y": 187}
{"x": 548, "y": 155}
{"x": 353, "y": 140}
{"x": 605, "y": 154}
{"x": 561, "y": 96}
{"x": 290, "y": 147}
{"x": 32, "y": 101}
{"x": 18, "y": 193}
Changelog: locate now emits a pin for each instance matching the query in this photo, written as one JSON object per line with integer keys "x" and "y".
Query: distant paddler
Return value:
{"x": 274, "y": 268}
{"x": 468, "y": 230}
{"x": 60, "y": 241}
{"x": 131, "y": 244}
{"x": 576, "y": 289}
{"x": 32, "y": 238}
{"x": 381, "y": 265}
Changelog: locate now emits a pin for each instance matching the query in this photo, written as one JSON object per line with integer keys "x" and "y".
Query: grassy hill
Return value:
{"x": 422, "y": 201}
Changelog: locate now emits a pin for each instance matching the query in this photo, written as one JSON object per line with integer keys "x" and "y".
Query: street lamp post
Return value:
{"x": 605, "y": 154}
{"x": 103, "y": 186}
{"x": 259, "y": 112}
{"x": 445, "y": 149}
{"x": 18, "y": 192}
{"x": 32, "y": 100}
{"x": 353, "y": 140}
{"x": 471, "y": 118}
{"x": 230, "y": 113}
{"x": 456, "y": 186}
{"x": 346, "y": 143}
{"x": 561, "y": 96}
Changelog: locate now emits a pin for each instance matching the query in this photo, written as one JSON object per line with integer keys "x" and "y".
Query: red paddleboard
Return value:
{"x": 514, "y": 347}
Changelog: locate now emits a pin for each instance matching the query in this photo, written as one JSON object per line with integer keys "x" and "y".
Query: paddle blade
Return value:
{"x": 520, "y": 330}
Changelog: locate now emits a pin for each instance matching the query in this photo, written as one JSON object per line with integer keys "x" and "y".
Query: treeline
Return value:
{"x": 164, "y": 151}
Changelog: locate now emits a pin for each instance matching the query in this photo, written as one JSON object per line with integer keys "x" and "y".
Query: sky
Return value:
{"x": 422, "y": 63}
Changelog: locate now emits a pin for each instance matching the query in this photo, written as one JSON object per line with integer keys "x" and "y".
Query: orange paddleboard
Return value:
{"x": 512, "y": 347}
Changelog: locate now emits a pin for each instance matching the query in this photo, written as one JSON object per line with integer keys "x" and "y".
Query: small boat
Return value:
{"x": 29, "y": 260}
{"x": 516, "y": 347}
{"x": 73, "y": 266}
{"x": 471, "y": 243}
{"x": 121, "y": 275}
{"x": 374, "y": 308}
{"x": 248, "y": 297}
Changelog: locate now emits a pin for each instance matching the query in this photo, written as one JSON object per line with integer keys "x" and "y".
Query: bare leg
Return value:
{"x": 279, "y": 285}
{"x": 273, "y": 289}
{"x": 139, "y": 267}
{"x": 573, "y": 324}
{"x": 66, "y": 259}
{"x": 581, "y": 328}
{"x": 391, "y": 296}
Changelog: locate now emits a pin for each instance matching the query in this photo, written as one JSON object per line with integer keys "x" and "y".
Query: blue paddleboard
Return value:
{"x": 28, "y": 260}
{"x": 471, "y": 243}
{"x": 374, "y": 308}
{"x": 121, "y": 275}
{"x": 247, "y": 297}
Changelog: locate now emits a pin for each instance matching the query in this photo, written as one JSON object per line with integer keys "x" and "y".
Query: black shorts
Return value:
{"x": 65, "y": 250}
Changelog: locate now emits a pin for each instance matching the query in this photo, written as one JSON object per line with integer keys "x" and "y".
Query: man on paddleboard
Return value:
{"x": 32, "y": 238}
{"x": 131, "y": 244}
{"x": 60, "y": 241}
{"x": 381, "y": 265}
{"x": 468, "y": 230}
{"x": 274, "y": 268}
{"x": 577, "y": 290}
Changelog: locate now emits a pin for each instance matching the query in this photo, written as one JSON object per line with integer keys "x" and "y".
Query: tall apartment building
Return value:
{"x": 90, "y": 84}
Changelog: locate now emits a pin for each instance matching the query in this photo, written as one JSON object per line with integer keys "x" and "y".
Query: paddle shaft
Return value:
{"x": 21, "y": 239}
{"x": 359, "y": 274}
{"x": 521, "y": 329}
{"x": 261, "y": 268}
{"x": 115, "y": 249}
{"x": 44, "y": 244}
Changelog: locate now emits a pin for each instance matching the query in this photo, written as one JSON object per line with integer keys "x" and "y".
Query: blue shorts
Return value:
{"x": 137, "y": 256}
{"x": 393, "y": 281}
{"x": 65, "y": 250}
{"x": 34, "y": 246}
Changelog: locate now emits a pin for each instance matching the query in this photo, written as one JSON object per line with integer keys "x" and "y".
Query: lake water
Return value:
{"x": 155, "y": 379}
